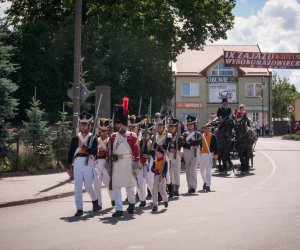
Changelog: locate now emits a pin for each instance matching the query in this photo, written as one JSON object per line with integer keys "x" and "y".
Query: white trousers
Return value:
{"x": 175, "y": 167}
{"x": 191, "y": 163}
{"x": 83, "y": 174}
{"x": 101, "y": 176}
{"x": 130, "y": 191}
{"x": 142, "y": 182}
{"x": 159, "y": 186}
{"x": 168, "y": 177}
{"x": 150, "y": 177}
{"x": 206, "y": 167}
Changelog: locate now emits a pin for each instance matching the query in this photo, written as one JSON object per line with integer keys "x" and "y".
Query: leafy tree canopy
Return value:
{"x": 127, "y": 44}
{"x": 284, "y": 93}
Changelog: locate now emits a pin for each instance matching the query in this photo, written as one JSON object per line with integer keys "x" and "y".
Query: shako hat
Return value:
{"x": 173, "y": 122}
{"x": 121, "y": 112}
{"x": 160, "y": 149}
{"x": 104, "y": 124}
{"x": 224, "y": 100}
{"x": 207, "y": 125}
{"x": 135, "y": 121}
{"x": 190, "y": 119}
{"x": 149, "y": 126}
{"x": 162, "y": 120}
{"x": 85, "y": 117}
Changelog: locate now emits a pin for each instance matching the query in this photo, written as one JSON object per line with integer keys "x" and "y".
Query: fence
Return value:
{"x": 58, "y": 143}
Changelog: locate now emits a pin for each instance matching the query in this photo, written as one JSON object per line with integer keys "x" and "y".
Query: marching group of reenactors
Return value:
{"x": 143, "y": 156}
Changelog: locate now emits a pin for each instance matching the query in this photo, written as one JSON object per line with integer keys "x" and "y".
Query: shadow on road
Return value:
{"x": 113, "y": 221}
{"x": 86, "y": 216}
{"x": 187, "y": 194}
{"x": 55, "y": 186}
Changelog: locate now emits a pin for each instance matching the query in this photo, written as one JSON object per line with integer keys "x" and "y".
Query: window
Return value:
{"x": 255, "y": 117}
{"x": 190, "y": 89}
{"x": 221, "y": 70}
{"x": 253, "y": 89}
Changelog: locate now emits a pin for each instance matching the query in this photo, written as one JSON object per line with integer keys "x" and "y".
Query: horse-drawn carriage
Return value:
{"x": 235, "y": 139}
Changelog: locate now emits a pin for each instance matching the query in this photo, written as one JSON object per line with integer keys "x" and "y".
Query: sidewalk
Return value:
{"x": 34, "y": 188}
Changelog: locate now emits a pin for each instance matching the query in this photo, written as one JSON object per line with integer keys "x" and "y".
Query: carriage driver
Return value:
{"x": 224, "y": 111}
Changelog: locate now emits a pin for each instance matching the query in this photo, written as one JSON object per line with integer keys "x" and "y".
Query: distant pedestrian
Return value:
{"x": 297, "y": 127}
{"x": 257, "y": 128}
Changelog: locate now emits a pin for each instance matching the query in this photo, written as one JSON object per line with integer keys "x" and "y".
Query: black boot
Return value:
{"x": 154, "y": 209}
{"x": 204, "y": 186}
{"x": 159, "y": 197}
{"x": 96, "y": 207}
{"x": 149, "y": 196}
{"x": 207, "y": 189}
{"x": 176, "y": 190}
{"x": 170, "y": 189}
{"x": 137, "y": 198}
{"x": 117, "y": 214}
{"x": 166, "y": 204}
{"x": 131, "y": 208}
{"x": 78, "y": 213}
{"x": 142, "y": 204}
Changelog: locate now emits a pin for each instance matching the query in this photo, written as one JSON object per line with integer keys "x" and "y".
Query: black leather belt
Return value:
{"x": 81, "y": 155}
{"x": 100, "y": 157}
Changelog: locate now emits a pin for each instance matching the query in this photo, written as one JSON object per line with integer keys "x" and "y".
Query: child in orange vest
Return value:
{"x": 159, "y": 168}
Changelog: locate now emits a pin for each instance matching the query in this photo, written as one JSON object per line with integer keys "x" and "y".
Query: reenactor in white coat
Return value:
{"x": 81, "y": 154}
{"x": 101, "y": 167}
{"x": 174, "y": 155}
{"x": 191, "y": 153}
{"x": 125, "y": 157}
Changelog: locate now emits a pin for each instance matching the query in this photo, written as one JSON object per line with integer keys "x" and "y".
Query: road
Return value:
{"x": 258, "y": 211}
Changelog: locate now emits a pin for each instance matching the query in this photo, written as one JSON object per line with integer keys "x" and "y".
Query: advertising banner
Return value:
{"x": 218, "y": 91}
{"x": 262, "y": 60}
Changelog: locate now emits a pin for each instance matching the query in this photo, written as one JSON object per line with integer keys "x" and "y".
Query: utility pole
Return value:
{"x": 77, "y": 65}
{"x": 262, "y": 106}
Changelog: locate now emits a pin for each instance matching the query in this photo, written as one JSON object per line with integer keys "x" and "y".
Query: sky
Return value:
{"x": 272, "y": 24}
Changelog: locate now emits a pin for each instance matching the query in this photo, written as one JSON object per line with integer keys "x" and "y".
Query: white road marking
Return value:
{"x": 274, "y": 168}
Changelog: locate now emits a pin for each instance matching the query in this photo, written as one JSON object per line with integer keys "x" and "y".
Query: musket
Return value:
{"x": 196, "y": 137}
{"x": 140, "y": 106}
{"x": 94, "y": 129}
{"x": 176, "y": 141}
{"x": 149, "y": 108}
{"x": 110, "y": 152}
{"x": 155, "y": 130}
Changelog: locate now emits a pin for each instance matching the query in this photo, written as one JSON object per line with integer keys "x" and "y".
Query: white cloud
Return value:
{"x": 275, "y": 27}
{"x": 4, "y": 6}
{"x": 295, "y": 78}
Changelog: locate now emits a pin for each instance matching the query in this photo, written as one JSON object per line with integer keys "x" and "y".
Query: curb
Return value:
{"x": 30, "y": 201}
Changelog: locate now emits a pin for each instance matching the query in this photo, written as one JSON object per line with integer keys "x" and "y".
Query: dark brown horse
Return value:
{"x": 225, "y": 143}
{"x": 245, "y": 140}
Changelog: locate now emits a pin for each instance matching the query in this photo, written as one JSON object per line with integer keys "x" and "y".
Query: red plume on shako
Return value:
{"x": 125, "y": 105}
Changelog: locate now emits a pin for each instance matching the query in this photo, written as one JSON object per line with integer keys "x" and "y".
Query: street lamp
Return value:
{"x": 263, "y": 84}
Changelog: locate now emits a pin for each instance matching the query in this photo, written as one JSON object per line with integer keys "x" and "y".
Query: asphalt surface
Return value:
{"x": 257, "y": 211}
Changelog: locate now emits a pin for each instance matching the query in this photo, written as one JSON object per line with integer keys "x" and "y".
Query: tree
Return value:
{"x": 8, "y": 106}
{"x": 63, "y": 138}
{"x": 126, "y": 44}
{"x": 38, "y": 141}
{"x": 284, "y": 93}
{"x": 43, "y": 35}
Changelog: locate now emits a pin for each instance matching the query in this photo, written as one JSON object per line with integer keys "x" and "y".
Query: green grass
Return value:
{"x": 295, "y": 137}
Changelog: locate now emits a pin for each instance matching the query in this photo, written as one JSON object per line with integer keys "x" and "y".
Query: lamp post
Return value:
{"x": 263, "y": 84}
